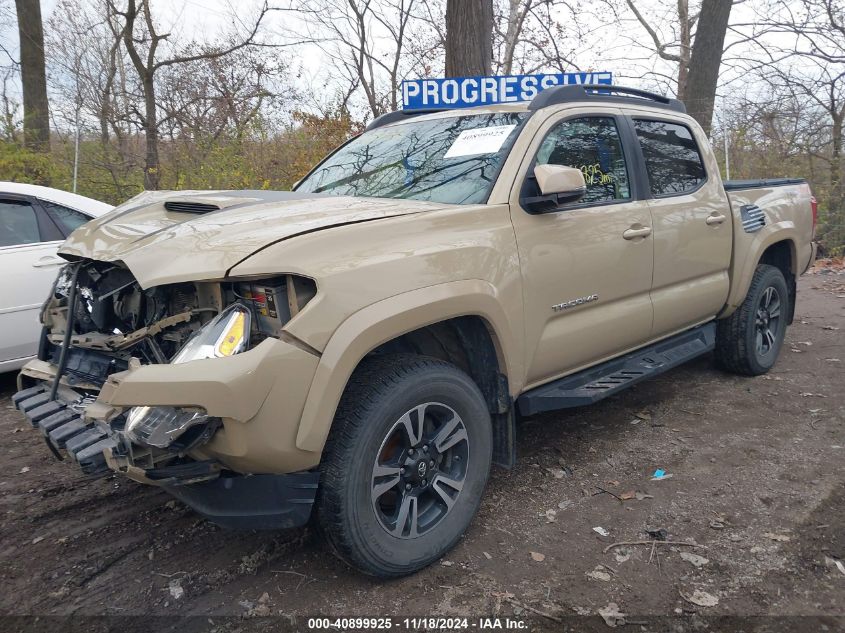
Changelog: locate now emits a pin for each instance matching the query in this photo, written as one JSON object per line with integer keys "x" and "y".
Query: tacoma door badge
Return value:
{"x": 574, "y": 303}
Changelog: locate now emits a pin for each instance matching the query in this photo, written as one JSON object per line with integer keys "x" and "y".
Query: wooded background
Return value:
{"x": 274, "y": 86}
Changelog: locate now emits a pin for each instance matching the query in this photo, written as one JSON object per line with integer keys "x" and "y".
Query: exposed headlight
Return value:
{"x": 225, "y": 335}
{"x": 160, "y": 426}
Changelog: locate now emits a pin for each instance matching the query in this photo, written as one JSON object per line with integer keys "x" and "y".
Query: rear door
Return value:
{"x": 29, "y": 264}
{"x": 692, "y": 223}
{"x": 586, "y": 266}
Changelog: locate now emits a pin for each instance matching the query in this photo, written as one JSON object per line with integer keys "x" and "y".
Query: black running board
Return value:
{"x": 596, "y": 383}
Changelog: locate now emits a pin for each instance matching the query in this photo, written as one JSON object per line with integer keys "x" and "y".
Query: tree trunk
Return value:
{"x": 36, "y": 121}
{"x": 684, "y": 54}
{"x": 152, "y": 173}
{"x": 469, "y": 37}
{"x": 705, "y": 60}
{"x": 836, "y": 194}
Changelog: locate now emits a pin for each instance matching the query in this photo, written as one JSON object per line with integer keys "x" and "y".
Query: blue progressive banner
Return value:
{"x": 465, "y": 92}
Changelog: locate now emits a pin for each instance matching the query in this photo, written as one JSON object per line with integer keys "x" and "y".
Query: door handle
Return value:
{"x": 48, "y": 261}
{"x": 717, "y": 218}
{"x": 634, "y": 233}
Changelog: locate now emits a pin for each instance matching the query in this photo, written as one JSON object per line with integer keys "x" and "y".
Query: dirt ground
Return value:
{"x": 756, "y": 467}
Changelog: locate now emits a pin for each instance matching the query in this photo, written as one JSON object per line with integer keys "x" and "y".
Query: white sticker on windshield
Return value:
{"x": 482, "y": 140}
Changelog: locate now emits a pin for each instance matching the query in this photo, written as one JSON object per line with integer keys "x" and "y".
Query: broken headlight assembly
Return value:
{"x": 225, "y": 335}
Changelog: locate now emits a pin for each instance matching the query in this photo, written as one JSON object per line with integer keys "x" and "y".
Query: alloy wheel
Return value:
{"x": 419, "y": 470}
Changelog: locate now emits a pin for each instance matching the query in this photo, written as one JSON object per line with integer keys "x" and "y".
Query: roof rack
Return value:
{"x": 601, "y": 92}
{"x": 398, "y": 115}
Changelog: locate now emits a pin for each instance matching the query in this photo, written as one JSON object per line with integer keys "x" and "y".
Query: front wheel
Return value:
{"x": 748, "y": 341}
{"x": 405, "y": 464}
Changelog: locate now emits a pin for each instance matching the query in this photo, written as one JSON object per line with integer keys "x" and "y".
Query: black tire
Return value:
{"x": 739, "y": 336}
{"x": 368, "y": 429}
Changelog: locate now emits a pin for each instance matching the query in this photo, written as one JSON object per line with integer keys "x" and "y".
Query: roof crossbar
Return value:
{"x": 600, "y": 92}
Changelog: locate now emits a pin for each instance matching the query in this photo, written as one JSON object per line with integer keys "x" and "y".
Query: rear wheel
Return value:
{"x": 748, "y": 341}
{"x": 405, "y": 465}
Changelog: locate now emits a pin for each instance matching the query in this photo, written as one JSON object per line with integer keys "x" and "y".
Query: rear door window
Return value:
{"x": 68, "y": 219}
{"x": 593, "y": 146}
{"x": 18, "y": 223}
{"x": 671, "y": 155}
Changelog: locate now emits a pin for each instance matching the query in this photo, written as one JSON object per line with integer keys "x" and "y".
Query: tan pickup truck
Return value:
{"x": 361, "y": 349}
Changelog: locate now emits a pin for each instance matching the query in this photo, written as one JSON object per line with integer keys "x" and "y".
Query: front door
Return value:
{"x": 29, "y": 264}
{"x": 586, "y": 266}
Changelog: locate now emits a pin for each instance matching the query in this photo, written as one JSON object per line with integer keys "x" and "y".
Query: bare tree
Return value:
{"x": 670, "y": 32}
{"x": 36, "y": 124}
{"x": 803, "y": 47}
{"x": 530, "y": 36}
{"x": 705, "y": 60}
{"x": 692, "y": 42}
{"x": 372, "y": 45}
{"x": 469, "y": 37}
{"x": 142, "y": 40}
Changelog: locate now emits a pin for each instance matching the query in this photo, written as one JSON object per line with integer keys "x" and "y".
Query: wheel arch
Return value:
{"x": 777, "y": 247}
{"x": 446, "y": 321}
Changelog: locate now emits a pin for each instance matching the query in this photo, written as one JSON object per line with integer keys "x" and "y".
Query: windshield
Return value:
{"x": 452, "y": 160}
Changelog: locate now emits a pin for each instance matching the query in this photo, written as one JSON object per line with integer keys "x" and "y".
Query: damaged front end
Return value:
{"x": 102, "y": 328}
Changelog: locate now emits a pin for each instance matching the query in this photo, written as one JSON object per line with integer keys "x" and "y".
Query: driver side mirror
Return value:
{"x": 558, "y": 185}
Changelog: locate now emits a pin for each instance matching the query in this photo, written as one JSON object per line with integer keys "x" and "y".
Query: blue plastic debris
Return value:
{"x": 659, "y": 473}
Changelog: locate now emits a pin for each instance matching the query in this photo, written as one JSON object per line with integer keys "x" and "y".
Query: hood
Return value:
{"x": 164, "y": 246}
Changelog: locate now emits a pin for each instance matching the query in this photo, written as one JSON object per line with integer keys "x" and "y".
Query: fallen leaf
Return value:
{"x": 23, "y": 470}
{"x": 612, "y": 616}
{"x": 176, "y": 590}
{"x": 630, "y": 494}
{"x": 612, "y": 482}
{"x": 623, "y": 554}
{"x": 694, "y": 559}
{"x": 487, "y": 556}
{"x": 701, "y": 598}
{"x": 642, "y": 495}
{"x": 537, "y": 556}
{"x": 557, "y": 473}
{"x": 601, "y": 531}
{"x": 840, "y": 566}
{"x": 37, "y": 539}
{"x": 643, "y": 415}
{"x": 599, "y": 574}
{"x": 566, "y": 503}
{"x": 782, "y": 538}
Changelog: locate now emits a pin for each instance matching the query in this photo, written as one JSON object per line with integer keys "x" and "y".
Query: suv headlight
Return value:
{"x": 226, "y": 334}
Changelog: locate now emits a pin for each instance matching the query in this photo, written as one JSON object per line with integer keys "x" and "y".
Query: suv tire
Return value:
{"x": 394, "y": 496}
{"x": 748, "y": 341}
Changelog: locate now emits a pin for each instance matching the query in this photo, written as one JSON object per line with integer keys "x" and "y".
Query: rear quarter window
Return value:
{"x": 672, "y": 158}
{"x": 68, "y": 219}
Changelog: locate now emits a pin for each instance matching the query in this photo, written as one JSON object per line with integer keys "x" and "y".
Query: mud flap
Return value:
{"x": 504, "y": 439}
